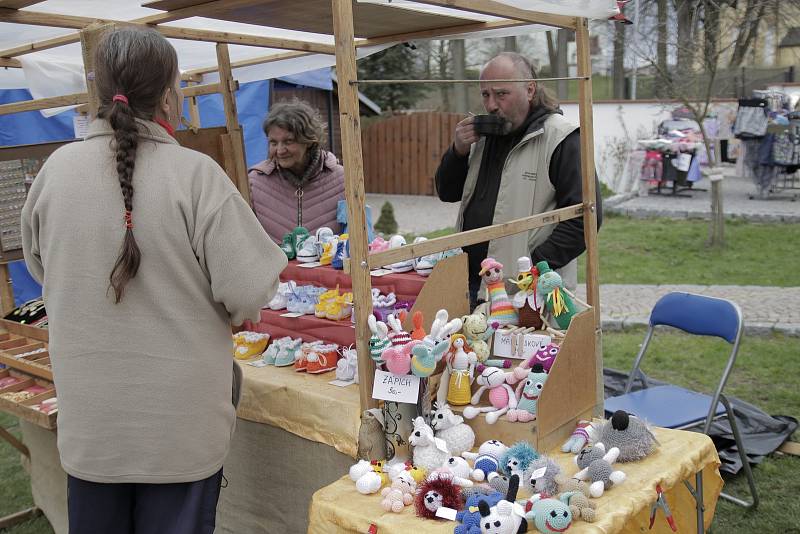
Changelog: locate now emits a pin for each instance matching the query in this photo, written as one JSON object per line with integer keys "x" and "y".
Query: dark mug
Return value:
{"x": 490, "y": 125}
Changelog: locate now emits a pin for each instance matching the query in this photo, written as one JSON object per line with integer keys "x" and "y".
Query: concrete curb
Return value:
{"x": 643, "y": 213}
{"x": 615, "y": 324}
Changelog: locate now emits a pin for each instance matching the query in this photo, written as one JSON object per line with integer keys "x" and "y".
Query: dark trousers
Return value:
{"x": 180, "y": 508}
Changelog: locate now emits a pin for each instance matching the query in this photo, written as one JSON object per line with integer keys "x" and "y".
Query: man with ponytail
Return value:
{"x": 147, "y": 254}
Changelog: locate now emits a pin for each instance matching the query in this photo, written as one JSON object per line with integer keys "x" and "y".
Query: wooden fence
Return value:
{"x": 401, "y": 153}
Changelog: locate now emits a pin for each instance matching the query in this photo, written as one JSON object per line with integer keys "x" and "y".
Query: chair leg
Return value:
{"x": 697, "y": 493}
{"x": 745, "y": 462}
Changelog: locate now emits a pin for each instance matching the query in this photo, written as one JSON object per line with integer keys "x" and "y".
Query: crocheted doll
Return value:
{"x": 458, "y": 374}
{"x": 556, "y": 299}
{"x": 501, "y": 396}
{"x": 540, "y": 477}
{"x": 501, "y": 310}
{"x": 438, "y": 490}
{"x": 596, "y": 466}
{"x": 579, "y": 437}
{"x": 487, "y": 459}
{"x": 527, "y": 395}
{"x": 629, "y": 434}
{"x": 550, "y": 516}
{"x": 518, "y": 458}
{"x": 525, "y": 300}
{"x": 450, "y": 427}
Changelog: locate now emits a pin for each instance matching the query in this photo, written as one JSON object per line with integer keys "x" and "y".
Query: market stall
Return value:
{"x": 319, "y": 422}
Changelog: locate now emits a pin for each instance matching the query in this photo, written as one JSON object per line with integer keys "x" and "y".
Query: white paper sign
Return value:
{"x": 81, "y": 125}
{"x": 446, "y": 513}
{"x": 341, "y": 383}
{"x": 533, "y": 343}
{"x": 502, "y": 344}
{"x": 539, "y": 473}
{"x": 309, "y": 265}
{"x": 291, "y": 314}
{"x": 395, "y": 388}
{"x": 380, "y": 272}
{"x": 257, "y": 363}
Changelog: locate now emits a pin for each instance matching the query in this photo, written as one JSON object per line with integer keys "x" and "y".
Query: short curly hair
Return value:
{"x": 298, "y": 118}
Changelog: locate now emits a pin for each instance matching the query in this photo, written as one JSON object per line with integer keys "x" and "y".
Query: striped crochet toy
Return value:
{"x": 501, "y": 310}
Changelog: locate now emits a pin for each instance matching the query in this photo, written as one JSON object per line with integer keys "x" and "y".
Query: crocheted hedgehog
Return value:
{"x": 629, "y": 434}
{"x": 434, "y": 493}
{"x": 544, "y": 483}
{"x": 517, "y": 458}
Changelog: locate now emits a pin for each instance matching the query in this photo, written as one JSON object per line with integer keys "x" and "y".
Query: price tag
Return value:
{"x": 341, "y": 383}
{"x": 539, "y": 473}
{"x": 380, "y": 272}
{"x": 257, "y": 363}
{"x": 446, "y": 513}
{"x": 533, "y": 343}
{"x": 81, "y": 125}
{"x": 292, "y": 314}
{"x": 309, "y": 265}
{"x": 395, "y": 388}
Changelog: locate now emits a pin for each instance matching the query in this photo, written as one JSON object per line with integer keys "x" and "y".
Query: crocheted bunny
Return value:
{"x": 418, "y": 332}
{"x": 424, "y": 358}
{"x": 596, "y": 466}
{"x": 501, "y": 396}
{"x": 398, "y": 359}
{"x": 379, "y": 340}
{"x": 397, "y": 335}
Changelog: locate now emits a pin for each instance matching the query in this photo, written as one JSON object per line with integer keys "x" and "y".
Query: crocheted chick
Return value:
{"x": 629, "y": 434}
{"x": 399, "y": 495}
{"x": 540, "y": 477}
{"x": 470, "y": 516}
{"x": 550, "y": 516}
{"x": 518, "y": 458}
{"x": 596, "y": 466}
{"x": 434, "y": 493}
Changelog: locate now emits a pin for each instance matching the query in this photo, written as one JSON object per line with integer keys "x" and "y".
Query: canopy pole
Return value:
{"x": 235, "y": 139}
{"x": 354, "y": 192}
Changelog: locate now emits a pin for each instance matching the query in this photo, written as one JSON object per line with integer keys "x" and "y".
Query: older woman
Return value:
{"x": 301, "y": 183}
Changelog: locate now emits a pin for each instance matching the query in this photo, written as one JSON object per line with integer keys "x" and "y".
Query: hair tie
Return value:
{"x": 119, "y": 98}
{"x": 128, "y": 220}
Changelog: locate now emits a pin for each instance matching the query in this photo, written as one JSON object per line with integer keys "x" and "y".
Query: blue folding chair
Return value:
{"x": 675, "y": 407}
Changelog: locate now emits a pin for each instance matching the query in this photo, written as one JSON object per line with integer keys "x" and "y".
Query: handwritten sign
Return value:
{"x": 521, "y": 346}
{"x": 533, "y": 343}
{"x": 395, "y": 388}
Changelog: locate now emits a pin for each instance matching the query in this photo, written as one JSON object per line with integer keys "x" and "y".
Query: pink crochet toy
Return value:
{"x": 501, "y": 310}
{"x": 546, "y": 357}
{"x": 501, "y": 396}
{"x": 399, "y": 495}
{"x": 398, "y": 359}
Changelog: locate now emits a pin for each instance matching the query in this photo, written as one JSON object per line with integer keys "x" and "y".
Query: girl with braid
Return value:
{"x": 147, "y": 255}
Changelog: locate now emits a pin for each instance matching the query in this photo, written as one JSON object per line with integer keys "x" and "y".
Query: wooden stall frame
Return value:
{"x": 345, "y": 48}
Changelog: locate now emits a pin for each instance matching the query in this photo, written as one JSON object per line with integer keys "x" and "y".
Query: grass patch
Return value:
{"x": 665, "y": 251}
{"x": 764, "y": 376}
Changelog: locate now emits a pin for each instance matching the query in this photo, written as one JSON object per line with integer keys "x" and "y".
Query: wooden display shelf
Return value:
{"x": 23, "y": 409}
{"x": 22, "y": 338}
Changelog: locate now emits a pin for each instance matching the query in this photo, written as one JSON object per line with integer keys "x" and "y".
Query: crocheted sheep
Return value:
{"x": 430, "y": 452}
{"x": 450, "y": 427}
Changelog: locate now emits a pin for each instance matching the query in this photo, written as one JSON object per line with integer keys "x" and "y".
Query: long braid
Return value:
{"x": 126, "y": 137}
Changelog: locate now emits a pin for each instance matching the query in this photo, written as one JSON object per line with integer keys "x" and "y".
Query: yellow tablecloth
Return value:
{"x": 303, "y": 404}
{"x": 622, "y": 509}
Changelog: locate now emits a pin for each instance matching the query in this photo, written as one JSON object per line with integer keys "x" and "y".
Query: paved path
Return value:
{"x": 416, "y": 214}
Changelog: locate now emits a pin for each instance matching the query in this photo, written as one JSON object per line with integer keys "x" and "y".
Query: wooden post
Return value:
{"x": 6, "y": 291}
{"x": 90, "y": 36}
{"x": 194, "y": 111}
{"x": 589, "y": 192}
{"x": 227, "y": 88}
{"x": 354, "y": 191}
{"x": 716, "y": 238}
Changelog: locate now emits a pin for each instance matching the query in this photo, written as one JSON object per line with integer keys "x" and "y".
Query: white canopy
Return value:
{"x": 58, "y": 71}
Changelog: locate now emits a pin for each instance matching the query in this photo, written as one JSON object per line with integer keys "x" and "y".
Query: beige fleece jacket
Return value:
{"x": 144, "y": 386}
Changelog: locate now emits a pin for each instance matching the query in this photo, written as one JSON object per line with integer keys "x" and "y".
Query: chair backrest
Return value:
{"x": 698, "y": 314}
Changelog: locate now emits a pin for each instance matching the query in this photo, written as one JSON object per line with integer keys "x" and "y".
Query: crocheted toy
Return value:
{"x": 498, "y": 482}
{"x": 517, "y": 458}
{"x": 347, "y": 366}
{"x": 460, "y": 469}
{"x": 438, "y": 490}
{"x": 527, "y": 396}
{"x": 379, "y": 340}
{"x": 629, "y": 434}
{"x": 579, "y": 505}
{"x": 545, "y": 357}
{"x": 596, "y": 466}
{"x": 550, "y": 516}
{"x": 579, "y": 437}
{"x": 457, "y": 435}
{"x": 399, "y": 495}
{"x": 567, "y": 484}
{"x": 535, "y": 480}
{"x": 506, "y": 517}
{"x": 501, "y": 310}
{"x": 424, "y": 358}
{"x": 371, "y": 438}
{"x": 430, "y": 452}
{"x": 418, "y": 332}
{"x": 458, "y": 374}
{"x": 478, "y": 332}
{"x": 556, "y": 299}
{"x": 525, "y": 299}
{"x": 398, "y": 358}
{"x": 397, "y": 335}
{"x": 501, "y": 396}
{"x": 470, "y": 516}
{"x": 368, "y": 476}
{"x": 487, "y": 459}
{"x": 407, "y": 469}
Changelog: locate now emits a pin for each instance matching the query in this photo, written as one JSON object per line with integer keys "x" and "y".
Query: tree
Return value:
{"x": 397, "y": 62}
{"x": 386, "y": 223}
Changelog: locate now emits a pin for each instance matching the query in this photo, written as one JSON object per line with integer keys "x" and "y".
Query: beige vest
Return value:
{"x": 525, "y": 189}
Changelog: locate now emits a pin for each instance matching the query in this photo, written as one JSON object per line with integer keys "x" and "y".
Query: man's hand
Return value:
{"x": 464, "y": 136}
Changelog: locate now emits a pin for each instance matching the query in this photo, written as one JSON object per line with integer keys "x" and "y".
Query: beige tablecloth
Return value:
{"x": 622, "y": 509}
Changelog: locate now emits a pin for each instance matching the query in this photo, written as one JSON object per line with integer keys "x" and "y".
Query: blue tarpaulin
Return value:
{"x": 31, "y": 127}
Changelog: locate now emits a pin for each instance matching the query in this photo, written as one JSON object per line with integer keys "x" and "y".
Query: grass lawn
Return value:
{"x": 665, "y": 251}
